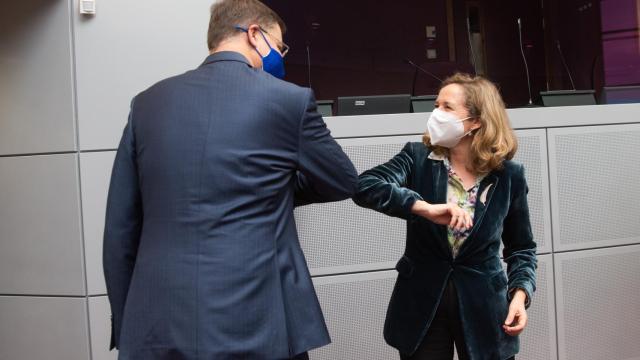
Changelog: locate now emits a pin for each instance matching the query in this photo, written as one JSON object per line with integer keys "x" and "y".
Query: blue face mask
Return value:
{"x": 273, "y": 63}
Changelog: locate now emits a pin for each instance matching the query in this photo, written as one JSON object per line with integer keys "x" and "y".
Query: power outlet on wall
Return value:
{"x": 431, "y": 32}
{"x": 88, "y": 7}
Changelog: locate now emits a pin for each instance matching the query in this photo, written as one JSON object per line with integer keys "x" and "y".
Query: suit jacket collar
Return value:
{"x": 225, "y": 56}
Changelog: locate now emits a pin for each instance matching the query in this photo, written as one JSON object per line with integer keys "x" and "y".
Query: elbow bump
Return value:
{"x": 348, "y": 191}
{"x": 352, "y": 185}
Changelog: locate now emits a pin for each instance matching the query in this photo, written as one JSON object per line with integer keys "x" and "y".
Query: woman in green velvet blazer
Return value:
{"x": 461, "y": 195}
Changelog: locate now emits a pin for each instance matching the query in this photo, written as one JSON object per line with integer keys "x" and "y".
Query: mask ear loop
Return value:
{"x": 267, "y": 41}
{"x": 471, "y": 132}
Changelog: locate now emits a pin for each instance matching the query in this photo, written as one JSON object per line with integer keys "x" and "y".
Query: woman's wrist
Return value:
{"x": 420, "y": 207}
{"x": 519, "y": 294}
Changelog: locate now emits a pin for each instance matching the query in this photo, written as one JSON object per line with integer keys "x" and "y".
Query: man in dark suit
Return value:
{"x": 201, "y": 254}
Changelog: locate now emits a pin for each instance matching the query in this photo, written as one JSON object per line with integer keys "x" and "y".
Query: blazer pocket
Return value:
{"x": 405, "y": 267}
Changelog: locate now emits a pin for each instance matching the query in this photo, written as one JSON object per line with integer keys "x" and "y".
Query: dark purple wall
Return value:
{"x": 357, "y": 47}
{"x": 576, "y": 24}
{"x": 620, "y": 42}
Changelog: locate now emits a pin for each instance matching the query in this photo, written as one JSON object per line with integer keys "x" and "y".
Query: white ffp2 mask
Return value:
{"x": 445, "y": 129}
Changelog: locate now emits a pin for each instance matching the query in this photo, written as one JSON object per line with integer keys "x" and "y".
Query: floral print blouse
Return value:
{"x": 464, "y": 198}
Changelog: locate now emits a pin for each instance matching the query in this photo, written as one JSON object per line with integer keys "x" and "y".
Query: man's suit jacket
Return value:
{"x": 201, "y": 255}
{"x": 501, "y": 215}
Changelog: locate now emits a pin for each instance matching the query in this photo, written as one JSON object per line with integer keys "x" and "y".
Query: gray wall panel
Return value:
{"x": 594, "y": 174}
{"x": 355, "y": 307}
{"x": 538, "y": 341}
{"x": 597, "y": 294}
{"x": 95, "y": 169}
{"x": 125, "y": 48}
{"x": 40, "y": 226}
{"x": 100, "y": 325}
{"x": 35, "y": 328}
{"x": 532, "y": 153}
{"x": 36, "y": 97}
{"x": 343, "y": 237}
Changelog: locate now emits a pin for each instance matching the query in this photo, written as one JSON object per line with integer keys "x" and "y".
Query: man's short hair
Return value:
{"x": 227, "y": 14}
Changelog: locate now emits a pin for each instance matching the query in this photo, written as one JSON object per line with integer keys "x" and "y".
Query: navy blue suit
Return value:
{"x": 201, "y": 255}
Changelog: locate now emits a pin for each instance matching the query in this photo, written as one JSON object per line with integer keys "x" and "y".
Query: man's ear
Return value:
{"x": 253, "y": 31}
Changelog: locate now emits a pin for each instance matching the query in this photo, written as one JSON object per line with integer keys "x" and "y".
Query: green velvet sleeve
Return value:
{"x": 385, "y": 188}
{"x": 519, "y": 247}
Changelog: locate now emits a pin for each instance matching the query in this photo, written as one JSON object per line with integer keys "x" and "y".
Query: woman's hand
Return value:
{"x": 443, "y": 214}
{"x": 517, "y": 317}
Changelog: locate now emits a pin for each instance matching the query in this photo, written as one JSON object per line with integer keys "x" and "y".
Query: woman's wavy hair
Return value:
{"x": 494, "y": 141}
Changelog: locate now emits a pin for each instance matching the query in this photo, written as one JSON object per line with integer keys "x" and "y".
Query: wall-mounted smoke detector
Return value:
{"x": 88, "y": 7}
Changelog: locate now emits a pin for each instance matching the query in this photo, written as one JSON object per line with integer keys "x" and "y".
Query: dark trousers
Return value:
{"x": 303, "y": 356}
{"x": 444, "y": 332}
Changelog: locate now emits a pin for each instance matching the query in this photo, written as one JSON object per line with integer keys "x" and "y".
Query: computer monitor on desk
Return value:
{"x": 325, "y": 107}
{"x": 620, "y": 94}
{"x": 370, "y": 105}
{"x": 423, "y": 103}
{"x": 568, "y": 97}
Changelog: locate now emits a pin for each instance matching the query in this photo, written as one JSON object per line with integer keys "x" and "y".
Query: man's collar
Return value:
{"x": 225, "y": 56}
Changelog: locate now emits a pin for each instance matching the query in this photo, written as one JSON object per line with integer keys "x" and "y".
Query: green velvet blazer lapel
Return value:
{"x": 488, "y": 184}
{"x": 440, "y": 185}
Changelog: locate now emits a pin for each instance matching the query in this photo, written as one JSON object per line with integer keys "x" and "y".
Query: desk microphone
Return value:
{"x": 526, "y": 67}
{"x": 309, "y": 63}
{"x": 312, "y": 29}
{"x": 564, "y": 63}
{"x": 415, "y": 74}
{"x": 473, "y": 53}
